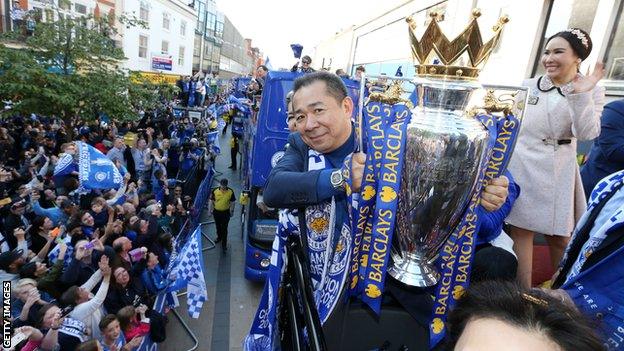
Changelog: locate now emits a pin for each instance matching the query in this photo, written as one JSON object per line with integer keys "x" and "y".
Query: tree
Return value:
{"x": 71, "y": 67}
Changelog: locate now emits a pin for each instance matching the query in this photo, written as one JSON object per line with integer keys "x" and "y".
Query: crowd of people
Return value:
{"x": 86, "y": 265}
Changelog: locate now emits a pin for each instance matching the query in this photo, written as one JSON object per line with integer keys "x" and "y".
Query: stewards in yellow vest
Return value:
{"x": 222, "y": 201}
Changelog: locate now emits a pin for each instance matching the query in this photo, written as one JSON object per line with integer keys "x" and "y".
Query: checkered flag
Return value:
{"x": 54, "y": 253}
{"x": 188, "y": 270}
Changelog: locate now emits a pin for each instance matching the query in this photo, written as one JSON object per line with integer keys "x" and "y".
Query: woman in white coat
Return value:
{"x": 564, "y": 106}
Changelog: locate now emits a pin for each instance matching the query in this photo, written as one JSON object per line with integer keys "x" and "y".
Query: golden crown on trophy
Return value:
{"x": 435, "y": 44}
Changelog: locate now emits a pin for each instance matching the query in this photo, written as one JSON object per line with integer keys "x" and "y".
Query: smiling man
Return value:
{"x": 322, "y": 110}
{"x": 311, "y": 175}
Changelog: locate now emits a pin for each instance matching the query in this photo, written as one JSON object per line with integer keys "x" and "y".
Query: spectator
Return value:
{"x": 494, "y": 315}
{"x": 112, "y": 336}
{"x": 132, "y": 326}
{"x": 47, "y": 279}
{"x": 306, "y": 61}
{"x": 89, "y": 306}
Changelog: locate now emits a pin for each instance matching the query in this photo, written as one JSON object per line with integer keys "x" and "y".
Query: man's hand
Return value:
{"x": 33, "y": 297}
{"x": 357, "y": 171}
{"x": 103, "y": 265}
{"x": 34, "y": 196}
{"x": 19, "y": 233}
{"x": 495, "y": 193}
{"x": 132, "y": 344}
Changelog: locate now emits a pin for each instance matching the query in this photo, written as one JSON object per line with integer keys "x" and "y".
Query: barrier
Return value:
{"x": 183, "y": 235}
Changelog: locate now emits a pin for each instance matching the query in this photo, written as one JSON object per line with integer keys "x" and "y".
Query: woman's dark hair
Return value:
{"x": 525, "y": 309}
{"x": 41, "y": 313}
{"x": 578, "y": 39}
{"x": 37, "y": 223}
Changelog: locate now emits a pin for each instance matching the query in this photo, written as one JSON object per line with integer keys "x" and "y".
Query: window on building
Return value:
{"x": 64, "y": 4}
{"x": 144, "y": 11}
{"x": 566, "y": 14}
{"x": 142, "y": 46}
{"x": 49, "y": 15}
{"x": 166, "y": 21}
{"x": 197, "y": 46}
{"x": 614, "y": 57}
{"x": 165, "y": 47}
{"x": 219, "y": 30}
{"x": 181, "y": 56}
{"x": 183, "y": 28}
{"x": 80, "y": 8}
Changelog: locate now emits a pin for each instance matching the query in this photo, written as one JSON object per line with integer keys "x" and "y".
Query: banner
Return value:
{"x": 95, "y": 170}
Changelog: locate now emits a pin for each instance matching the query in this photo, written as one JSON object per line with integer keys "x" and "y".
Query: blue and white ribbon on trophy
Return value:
{"x": 454, "y": 263}
{"x": 384, "y": 218}
{"x": 377, "y": 116}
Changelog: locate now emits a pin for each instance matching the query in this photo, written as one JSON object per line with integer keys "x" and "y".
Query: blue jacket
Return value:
{"x": 56, "y": 215}
{"x": 291, "y": 185}
{"x": 154, "y": 280}
{"x": 607, "y": 152}
{"x": 491, "y": 223}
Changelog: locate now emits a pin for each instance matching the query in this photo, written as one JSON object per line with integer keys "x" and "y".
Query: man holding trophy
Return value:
{"x": 413, "y": 196}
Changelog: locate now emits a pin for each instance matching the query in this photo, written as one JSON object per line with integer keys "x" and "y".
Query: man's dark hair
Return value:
{"x": 334, "y": 85}
{"x": 104, "y": 322}
{"x": 530, "y": 310}
{"x": 360, "y": 68}
{"x": 264, "y": 68}
{"x": 70, "y": 296}
{"x": 223, "y": 181}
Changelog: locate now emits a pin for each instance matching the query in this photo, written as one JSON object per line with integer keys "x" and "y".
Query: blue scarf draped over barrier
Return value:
{"x": 457, "y": 253}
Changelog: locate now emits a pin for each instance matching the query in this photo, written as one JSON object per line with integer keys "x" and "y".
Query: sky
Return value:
{"x": 275, "y": 24}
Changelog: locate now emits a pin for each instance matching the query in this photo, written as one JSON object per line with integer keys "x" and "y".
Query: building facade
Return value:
{"x": 235, "y": 60}
{"x": 382, "y": 44}
{"x": 208, "y": 38}
{"x": 165, "y": 46}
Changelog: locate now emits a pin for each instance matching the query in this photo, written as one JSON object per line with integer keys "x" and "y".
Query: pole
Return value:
{"x": 360, "y": 128}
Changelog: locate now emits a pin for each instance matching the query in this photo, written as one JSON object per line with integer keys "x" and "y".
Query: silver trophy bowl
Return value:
{"x": 443, "y": 159}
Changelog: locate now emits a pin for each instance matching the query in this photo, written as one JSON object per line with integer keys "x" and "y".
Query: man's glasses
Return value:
{"x": 306, "y": 62}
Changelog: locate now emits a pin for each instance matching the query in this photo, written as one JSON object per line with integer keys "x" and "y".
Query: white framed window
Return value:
{"x": 142, "y": 46}
{"x": 166, "y": 20}
{"x": 165, "y": 47}
{"x": 144, "y": 11}
{"x": 183, "y": 28}
{"x": 80, "y": 8}
{"x": 181, "y": 56}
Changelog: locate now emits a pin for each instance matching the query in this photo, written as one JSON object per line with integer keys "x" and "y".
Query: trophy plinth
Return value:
{"x": 414, "y": 271}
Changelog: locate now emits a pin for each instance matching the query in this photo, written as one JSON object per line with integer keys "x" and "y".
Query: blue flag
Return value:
{"x": 95, "y": 170}
{"x": 297, "y": 50}
{"x": 188, "y": 270}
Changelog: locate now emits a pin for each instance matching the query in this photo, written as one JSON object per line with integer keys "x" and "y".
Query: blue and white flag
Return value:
{"x": 212, "y": 138}
{"x": 188, "y": 270}
{"x": 267, "y": 63}
{"x": 65, "y": 165}
{"x": 95, "y": 170}
{"x": 54, "y": 253}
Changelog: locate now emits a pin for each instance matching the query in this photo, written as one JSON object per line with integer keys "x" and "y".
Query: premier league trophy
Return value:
{"x": 445, "y": 148}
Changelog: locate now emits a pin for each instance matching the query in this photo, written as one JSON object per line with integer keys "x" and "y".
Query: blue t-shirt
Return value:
{"x": 119, "y": 342}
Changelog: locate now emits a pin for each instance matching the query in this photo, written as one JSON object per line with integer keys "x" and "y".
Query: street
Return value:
{"x": 232, "y": 300}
